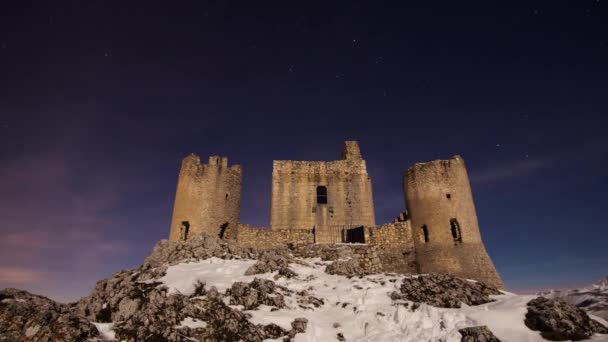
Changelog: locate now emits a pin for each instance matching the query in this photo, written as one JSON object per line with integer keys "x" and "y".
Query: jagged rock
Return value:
{"x": 157, "y": 318}
{"x": 200, "y": 247}
{"x": 116, "y": 298}
{"x": 309, "y": 302}
{"x": 444, "y": 291}
{"x": 271, "y": 261}
{"x": 28, "y": 317}
{"x": 560, "y": 321}
{"x": 254, "y": 294}
{"x": 298, "y": 326}
{"x": 477, "y": 334}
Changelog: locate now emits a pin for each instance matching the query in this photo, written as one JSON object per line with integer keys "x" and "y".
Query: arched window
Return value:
{"x": 321, "y": 195}
{"x": 455, "y": 227}
{"x": 425, "y": 233}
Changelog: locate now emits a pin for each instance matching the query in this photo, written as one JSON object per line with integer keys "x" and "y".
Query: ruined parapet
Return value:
{"x": 396, "y": 247}
{"x": 322, "y": 194}
{"x": 208, "y": 199}
{"x": 444, "y": 222}
{"x": 351, "y": 151}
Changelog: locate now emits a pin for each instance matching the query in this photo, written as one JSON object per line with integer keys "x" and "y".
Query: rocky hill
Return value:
{"x": 212, "y": 290}
{"x": 593, "y": 299}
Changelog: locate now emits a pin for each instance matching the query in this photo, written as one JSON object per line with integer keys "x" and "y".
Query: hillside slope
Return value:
{"x": 212, "y": 290}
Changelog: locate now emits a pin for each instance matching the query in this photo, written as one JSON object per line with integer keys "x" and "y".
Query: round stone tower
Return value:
{"x": 207, "y": 200}
{"x": 446, "y": 233}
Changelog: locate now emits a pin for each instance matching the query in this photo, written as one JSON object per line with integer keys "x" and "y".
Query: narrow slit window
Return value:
{"x": 321, "y": 195}
{"x": 455, "y": 228}
{"x": 425, "y": 233}
{"x": 184, "y": 229}
{"x": 223, "y": 228}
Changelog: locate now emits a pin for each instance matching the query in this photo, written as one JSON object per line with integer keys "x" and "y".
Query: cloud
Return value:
{"x": 56, "y": 215}
{"x": 589, "y": 151}
{"x": 512, "y": 169}
{"x": 17, "y": 276}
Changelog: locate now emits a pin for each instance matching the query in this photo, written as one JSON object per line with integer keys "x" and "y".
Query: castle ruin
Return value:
{"x": 329, "y": 202}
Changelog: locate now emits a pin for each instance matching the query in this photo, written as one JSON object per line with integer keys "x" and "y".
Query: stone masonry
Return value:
{"x": 329, "y": 202}
{"x": 207, "y": 200}
{"x": 322, "y": 194}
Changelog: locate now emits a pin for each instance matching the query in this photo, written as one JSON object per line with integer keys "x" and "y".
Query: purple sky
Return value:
{"x": 99, "y": 103}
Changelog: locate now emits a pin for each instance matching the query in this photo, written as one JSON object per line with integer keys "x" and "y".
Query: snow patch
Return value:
{"x": 182, "y": 278}
{"x": 105, "y": 329}
{"x": 192, "y": 323}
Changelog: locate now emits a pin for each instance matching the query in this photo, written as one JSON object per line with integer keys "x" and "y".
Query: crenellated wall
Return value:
{"x": 395, "y": 246}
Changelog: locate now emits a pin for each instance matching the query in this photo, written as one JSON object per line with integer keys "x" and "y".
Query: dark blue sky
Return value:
{"x": 99, "y": 101}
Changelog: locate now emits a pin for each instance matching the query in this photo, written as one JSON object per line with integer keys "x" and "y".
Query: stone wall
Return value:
{"x": 395, "y": 246}
{"x": 265, "y": 238}
{"x": 207, "y": 199}
{"x": 444, "y": 222}
{"x": 295, "y": 205}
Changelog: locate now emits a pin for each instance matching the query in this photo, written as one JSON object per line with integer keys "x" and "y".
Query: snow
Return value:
{"x": 105, "y": 329}
{"x": 182, "y": 278}
{"x": 358, "y": 308}
{"x": 192, "y": 323}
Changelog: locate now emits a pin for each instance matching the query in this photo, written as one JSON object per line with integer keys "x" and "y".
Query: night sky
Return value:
{"x": 100, "y": 100}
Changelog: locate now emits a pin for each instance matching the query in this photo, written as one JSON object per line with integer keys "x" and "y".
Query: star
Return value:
{"x": 497, "y": 145}
{"x": 291, "y": 68}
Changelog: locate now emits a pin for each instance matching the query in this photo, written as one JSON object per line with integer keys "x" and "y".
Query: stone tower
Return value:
{"x": 444, "y": 222}
{"x": 207, "y": 200}
{"x": 329, "y": 196}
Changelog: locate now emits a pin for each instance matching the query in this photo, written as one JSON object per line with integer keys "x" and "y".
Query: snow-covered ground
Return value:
{"x": 359, "y": 309}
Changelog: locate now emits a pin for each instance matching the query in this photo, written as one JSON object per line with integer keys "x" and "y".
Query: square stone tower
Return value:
{"x": 328, "y": 196}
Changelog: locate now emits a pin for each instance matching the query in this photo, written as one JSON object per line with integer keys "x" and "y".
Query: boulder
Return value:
{"x": 477, "y": 334}
{"x": 444, "y": 291}
{"x": 28, "y": 317}
{"x": 559, "y": 321}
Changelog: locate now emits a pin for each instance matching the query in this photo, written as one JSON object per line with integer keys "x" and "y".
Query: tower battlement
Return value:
{"x": 208, "y": 198}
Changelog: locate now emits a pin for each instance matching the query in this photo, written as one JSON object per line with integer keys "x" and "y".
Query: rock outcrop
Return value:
{"x": 28, "y": 317}
{"x": 444, "y": 291}
{"x": 559, "y": 321}
{"x": 477, "y": 334}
